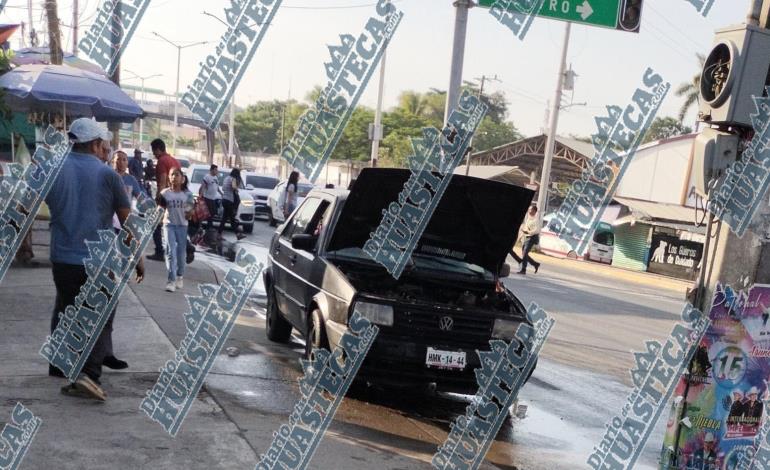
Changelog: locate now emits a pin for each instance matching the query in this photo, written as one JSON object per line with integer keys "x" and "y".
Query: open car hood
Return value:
{"x": 476, "y": 221}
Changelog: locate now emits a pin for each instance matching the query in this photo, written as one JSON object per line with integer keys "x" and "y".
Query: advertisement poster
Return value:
{"x": 718, "y": 407}
{"x": 671, "y": 256}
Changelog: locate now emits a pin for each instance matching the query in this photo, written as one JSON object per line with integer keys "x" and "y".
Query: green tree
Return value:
{"x": 690, "y": 91}
{"x": 491, "y": 134}
{"x": 664, "y": 128}
{"x": 354, "y": 143}
{"x": 258, "y": 128}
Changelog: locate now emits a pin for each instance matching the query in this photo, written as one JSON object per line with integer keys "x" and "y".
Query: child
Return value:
{"x": 178, "y": 201}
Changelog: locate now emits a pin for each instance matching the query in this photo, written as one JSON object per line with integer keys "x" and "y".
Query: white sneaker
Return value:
{"x": 179, "y": 282}
{"x": 170, "y": 287}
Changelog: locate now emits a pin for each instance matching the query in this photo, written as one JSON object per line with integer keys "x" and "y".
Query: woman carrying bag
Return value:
{"x": 231, "y": 201}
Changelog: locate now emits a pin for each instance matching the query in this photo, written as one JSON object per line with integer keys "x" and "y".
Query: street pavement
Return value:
{"x": 581, "y": 380}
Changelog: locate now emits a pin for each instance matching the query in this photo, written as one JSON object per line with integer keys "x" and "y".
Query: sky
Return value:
{"x": 289, "y": 62}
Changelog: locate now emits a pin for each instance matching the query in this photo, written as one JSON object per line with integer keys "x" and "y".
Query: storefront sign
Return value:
{"x": 671, "y": 256}
{"x": 720, "y": 406}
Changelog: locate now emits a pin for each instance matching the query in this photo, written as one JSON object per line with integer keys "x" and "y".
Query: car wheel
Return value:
{"x": 271, "y": 219}
{"x": 572, "y": 255}
{"x": 248, "y": 228}
{"x": 315, "y": 338}
{"x": 278, "y": 329}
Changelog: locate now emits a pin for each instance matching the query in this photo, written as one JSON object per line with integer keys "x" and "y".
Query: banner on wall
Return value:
{"x": 718, "y": 405}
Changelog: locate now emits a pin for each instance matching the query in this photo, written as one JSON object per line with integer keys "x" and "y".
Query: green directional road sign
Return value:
{"x": 615, "y": 14}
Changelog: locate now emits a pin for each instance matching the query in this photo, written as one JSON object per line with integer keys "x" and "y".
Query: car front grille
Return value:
{"x": 247, "y": 217}
{"x": 422, "y": 324}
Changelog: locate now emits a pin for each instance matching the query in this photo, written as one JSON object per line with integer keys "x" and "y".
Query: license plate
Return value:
{"x": 445, "y": 359}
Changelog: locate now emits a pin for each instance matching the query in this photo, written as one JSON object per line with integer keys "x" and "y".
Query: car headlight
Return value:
{"x": 504, "y": 329}
{"x": 376, "y": 313}
{"x": 247, "y": 203}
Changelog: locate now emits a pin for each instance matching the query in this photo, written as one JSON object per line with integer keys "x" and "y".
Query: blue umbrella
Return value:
{"x": 75, "y": 92}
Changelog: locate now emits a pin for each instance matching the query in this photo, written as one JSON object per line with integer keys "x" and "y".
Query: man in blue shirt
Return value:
{"x": 82, "y": 201}
{"x": 136, "y": 167}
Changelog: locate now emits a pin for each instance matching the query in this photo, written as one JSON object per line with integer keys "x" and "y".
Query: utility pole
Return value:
{"x": 545, "y": 176}
{"x": 143, "y": 95}
{"x": 116, "y": 39}
{"x": 32, "y": 33}
{"x": 231, "y": 132}
{"x": 458, "y": 55}
{"x": 54, "y": 34}
{"x": 483, "y": 79}
{"x": 377, "y": 128}
{"x": 75, "y": 14}
{"x": 734, "y": 261}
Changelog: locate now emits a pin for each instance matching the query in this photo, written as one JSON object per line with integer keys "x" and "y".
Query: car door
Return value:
{"x": 291, "y": 288}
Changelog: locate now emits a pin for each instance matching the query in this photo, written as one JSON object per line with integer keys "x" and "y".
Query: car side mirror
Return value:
{"x": 303, "y": 242}
{"x": 505, "y": 270}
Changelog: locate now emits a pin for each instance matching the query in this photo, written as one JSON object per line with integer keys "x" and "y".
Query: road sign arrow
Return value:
{"x": 585, "y": 10}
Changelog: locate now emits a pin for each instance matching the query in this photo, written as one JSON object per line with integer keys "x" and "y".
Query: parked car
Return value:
{"x": 448, "y": 303}
{"x": 260, "y": 186}
{"x": 274, "y": 199}
{"x": 245, "y": 214}
{"x": 600, "y": 249}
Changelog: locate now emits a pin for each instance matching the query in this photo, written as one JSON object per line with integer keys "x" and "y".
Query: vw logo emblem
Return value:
{"x": 446, "y": 323}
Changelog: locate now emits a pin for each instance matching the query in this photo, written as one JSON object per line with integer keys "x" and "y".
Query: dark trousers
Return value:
{"x": 230, "y": 209}
{"x": 68, "y": 279}
{"x": 213, "y": 207}
{"x": 157, "y": 238}
{"x": 525, "y": 259}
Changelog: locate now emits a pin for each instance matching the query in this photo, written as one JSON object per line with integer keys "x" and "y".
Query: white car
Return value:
{"x": 260, "y": 186}
{"x": 245, "y": 214}
{"x": 601, "y": 248}
{"x": 274, "y": 200}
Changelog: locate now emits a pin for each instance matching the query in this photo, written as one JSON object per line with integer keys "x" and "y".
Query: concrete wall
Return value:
{"x": 658, "y": 172}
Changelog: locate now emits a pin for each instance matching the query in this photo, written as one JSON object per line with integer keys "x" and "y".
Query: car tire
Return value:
{"x": 271, "y": 220}
{"x": 315, "y": 337}
{"x": 572, "y": 255}
{"x": 277, "y": 328}
{"x": 248, "y": 228}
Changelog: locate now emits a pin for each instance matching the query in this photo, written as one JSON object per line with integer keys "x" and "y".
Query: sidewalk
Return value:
{"x": 78, "y": 433}
{"x": 591, "y": 267}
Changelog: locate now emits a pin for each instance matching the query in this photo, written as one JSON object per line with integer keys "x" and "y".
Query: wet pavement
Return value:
{"x": 581, "y": 380}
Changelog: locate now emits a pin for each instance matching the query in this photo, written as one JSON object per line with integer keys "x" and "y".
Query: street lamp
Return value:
{"x": 178, "y": 66}
{"x": 144, "y": 99}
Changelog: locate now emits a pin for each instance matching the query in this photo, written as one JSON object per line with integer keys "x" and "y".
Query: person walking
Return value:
{"x": 82, "y": 201}
{"x": 162, "y": 170}
{"x": 178, "y": 201}
{"x": 231, "y": 201}
{"x": 290, "y": 201}
{"x": 531, "y": 232}
{"x": 136, "y": 167}
{"x": 211, "y": 193}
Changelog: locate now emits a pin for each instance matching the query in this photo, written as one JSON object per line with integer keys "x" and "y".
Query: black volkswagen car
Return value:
{"x": 448, "y": 302}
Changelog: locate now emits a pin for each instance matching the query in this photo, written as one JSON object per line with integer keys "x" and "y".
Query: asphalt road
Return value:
{"x": 581, "y": 380}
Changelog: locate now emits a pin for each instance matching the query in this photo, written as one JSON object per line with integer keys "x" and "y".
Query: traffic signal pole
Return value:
{"x": 458, "y": 55}
{"x": 739, "y": 262}
{"x": 545, "y": 176}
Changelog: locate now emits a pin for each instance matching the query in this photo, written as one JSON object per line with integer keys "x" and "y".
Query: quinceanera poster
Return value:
{"x": 718, "y": 405}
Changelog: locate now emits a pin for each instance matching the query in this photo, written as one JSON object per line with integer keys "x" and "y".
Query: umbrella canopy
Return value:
{"x": 54, "y": 88}
{"x": 42, "y": 55}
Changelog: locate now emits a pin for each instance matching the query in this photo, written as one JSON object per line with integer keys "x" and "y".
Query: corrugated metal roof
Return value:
{"x": 584, "y": 148}
{"x": 648, "y": 210}
{"x": 486, "y": 172}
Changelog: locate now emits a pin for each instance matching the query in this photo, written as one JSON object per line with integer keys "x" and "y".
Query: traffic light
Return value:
{"x": 737, "y": 68}
{"x": 630, "y": 15}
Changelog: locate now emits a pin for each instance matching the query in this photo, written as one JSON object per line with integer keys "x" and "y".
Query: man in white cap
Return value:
{"x": 82, "y": 201}
{"x": 705, "y": 458}
{"x": 736, "y": 409}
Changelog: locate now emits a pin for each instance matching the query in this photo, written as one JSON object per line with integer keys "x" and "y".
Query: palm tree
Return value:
{"x": 691, "y": 91}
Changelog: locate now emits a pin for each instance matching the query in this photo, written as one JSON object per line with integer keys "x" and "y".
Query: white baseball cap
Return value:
{"x": 84, "y": 130}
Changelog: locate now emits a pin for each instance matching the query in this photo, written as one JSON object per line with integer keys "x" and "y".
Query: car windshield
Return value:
{"x": 304, "y": 189}
{"x": 422, "y": 262}
{"x": 197, "y": 176}
{"x": 183, "y": 163}
{"x": 261, "y": 182}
